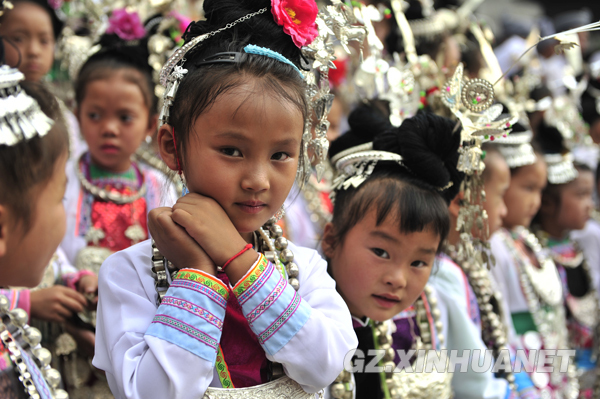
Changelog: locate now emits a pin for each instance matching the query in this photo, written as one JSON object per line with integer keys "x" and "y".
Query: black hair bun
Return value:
{"x": 260, "y": 30}
{"x": 551, "y": 140}
{"x": 134, "y": 53}
{"x": 366, "y": 121}
{"x": 429, "y": 144}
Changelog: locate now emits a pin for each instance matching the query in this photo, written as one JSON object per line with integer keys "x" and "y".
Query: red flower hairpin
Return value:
{"x": 126, "y": 25}
{"x": 297, "y": 18}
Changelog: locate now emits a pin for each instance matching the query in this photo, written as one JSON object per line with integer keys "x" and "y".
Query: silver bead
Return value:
{"x": 389, "y": 367}
{"x": 292, "y": 269}
{"x": 19, "y": 317}
{"x": 271, "y": 256}
{"x": 389, "y": 354}
{"x": 340, "y": 377}
{"x": 43, "y": 355}
{"x": 32, "y": 336}
{"x": 294, "y": 283}
{"x": 52, "y": 377}
{"x": 61, "y": 394}
{"x": 337, "y": 390}
{"x": 276, "y": 231}
{"x": 384, "y": 339}
{"x": 4, "y": 304}
{"x": 286, "y": 256}
{"x": 281, "y": 243}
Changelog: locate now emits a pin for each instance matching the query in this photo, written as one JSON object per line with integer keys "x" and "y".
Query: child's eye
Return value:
{"x": 280, "y": 156}
{"x": 94, "y": 116}
{"x": 231, "y": 152}
{"x": 126, "y": 118}
{"x": 380, "y": 253}
{"x": 419, "y": 263}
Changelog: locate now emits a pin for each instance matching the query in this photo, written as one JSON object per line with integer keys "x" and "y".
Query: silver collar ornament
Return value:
{"x": 20, "y": 115}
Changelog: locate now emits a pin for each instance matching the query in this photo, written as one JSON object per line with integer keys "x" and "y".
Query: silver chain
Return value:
{"x": 237, "y": 21}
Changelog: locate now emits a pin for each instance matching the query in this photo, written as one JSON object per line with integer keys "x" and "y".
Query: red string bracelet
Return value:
{"x": 247, "y": 247}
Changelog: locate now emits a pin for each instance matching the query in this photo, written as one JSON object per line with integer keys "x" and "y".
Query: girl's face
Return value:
{"x": 29, "y": 27}
{"x": 243, "y": 152}
{"x": 576, "y": 202}
{"x": 378, "y": 270}
{"x": 114, "y": 120}
{"x": 523, "y": 197}
{"x": 24, "y": 257}
{"x": 496, "y": 185}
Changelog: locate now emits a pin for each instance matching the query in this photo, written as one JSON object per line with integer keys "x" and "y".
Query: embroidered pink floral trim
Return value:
{"x": 297, "y": 18}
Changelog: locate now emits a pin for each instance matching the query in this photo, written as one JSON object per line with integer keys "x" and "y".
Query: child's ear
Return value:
{"x": 454, "y": 206}
{"x": 328, "y": 243}
{"x": 166, "y": 147}
{"x": 4, "y": 227}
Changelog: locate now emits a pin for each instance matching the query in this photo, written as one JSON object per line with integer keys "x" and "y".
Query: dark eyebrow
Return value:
{"x": 385, "y": 236}
{"x": 393, "y": 240}
{"x": 243, "y": 137}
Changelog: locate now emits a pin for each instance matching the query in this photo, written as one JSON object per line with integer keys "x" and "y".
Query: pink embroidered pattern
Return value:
{"x": 186, "y": 329}
{"x": 281, "y": 320}
{"x": 251, "y": 277}
{"x": 193, "y": 309}
{"x": 269, "y": 300}
{"x": 203, "y": 289}
{"x": 257, "y": 285}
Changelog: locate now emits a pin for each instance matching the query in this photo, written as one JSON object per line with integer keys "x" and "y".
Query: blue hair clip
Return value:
{"x": 252, "y": 49}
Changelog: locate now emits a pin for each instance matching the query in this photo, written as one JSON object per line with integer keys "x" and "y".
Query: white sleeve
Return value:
{"x": 138, "y": 365}
{"x": 463, "y": 334}
{"x": 314, "y": 356}
{"x": 149, "y": 353}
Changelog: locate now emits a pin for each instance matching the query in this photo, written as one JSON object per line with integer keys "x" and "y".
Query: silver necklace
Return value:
{"x": 268, "y": 239}
{"x": 551, "y": 325}
{"x": 17, "y": 337}
{"x": 104, "y": 195}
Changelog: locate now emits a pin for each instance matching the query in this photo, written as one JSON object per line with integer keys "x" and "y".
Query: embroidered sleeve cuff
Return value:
{"x": 192, "y": 312}
{"x": 272, "y": 307}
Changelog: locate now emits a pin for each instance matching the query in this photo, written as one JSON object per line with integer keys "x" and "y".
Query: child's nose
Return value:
{"x": 256, "y": 179}
{"x": 110, "y": 128}
{"x": 396, "y": 278}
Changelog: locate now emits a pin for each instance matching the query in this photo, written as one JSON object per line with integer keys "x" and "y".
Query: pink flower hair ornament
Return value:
{"x": 297, "y": 18}
{"x": 126, "y": 25}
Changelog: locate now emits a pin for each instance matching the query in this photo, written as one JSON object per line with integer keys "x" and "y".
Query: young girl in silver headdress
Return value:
{"x": 211, "y": 309}
{"x": 525, "y": 273}
{"x": 110, "y": 194}
{"x": 389, "y": 221}
{"x": 566, "y": 206}
{"x": 33, "y": 152}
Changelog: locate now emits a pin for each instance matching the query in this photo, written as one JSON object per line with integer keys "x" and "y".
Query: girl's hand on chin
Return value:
{"x": 175, "y": 244}
{"x": 206, "y": 221}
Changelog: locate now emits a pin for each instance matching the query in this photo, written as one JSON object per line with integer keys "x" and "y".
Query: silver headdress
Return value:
{"x": 334, "y": 23}
{"x": 20, "y": 115}
{"x": 356, "y": 164}
{"x": 560, "y": 168}
{"x": 516, "y": 149}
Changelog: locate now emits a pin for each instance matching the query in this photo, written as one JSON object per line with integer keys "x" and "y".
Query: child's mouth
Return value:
{"x": 385, "y": 302}
{"x": 109, "y": 149}
{"x": 251, "y": 207}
